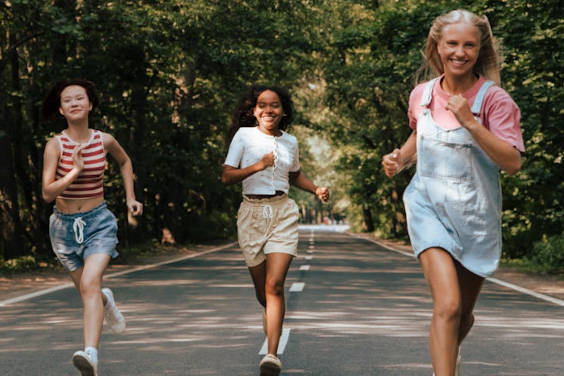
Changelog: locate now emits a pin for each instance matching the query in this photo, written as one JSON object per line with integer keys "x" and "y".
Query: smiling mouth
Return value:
{"x": 458, "y": 62}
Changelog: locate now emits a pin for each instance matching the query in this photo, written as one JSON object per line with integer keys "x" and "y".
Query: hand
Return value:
{"x": 322, "y": 193}
{"x": 392, "y": 163}
{"x": 77, "y": 159}
{"x": 135, "y": 207}
{"x": 459, "y": 107}
{"x": 267, "y": 160}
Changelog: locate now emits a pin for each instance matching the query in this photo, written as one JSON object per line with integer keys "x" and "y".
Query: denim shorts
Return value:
{"x": 76, "y": 236}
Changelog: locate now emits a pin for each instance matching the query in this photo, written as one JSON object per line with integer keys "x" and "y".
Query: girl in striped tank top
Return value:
{"x": 82, "y": 230}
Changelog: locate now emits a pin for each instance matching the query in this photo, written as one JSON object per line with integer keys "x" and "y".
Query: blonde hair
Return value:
{"x": 489, "y": 58}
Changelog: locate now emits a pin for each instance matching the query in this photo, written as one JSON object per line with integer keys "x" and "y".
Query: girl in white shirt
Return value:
{"x": 266, "y": 159}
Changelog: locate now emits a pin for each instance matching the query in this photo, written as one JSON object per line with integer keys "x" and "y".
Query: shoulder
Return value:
{"x": 417, "y": 93}
{"x": 497, "y": 93}
{"x": 108, "y": 140}
{"x": 53, "y": 143}
{"x": 290, "y": 138}
{"x": 498, "y": 98}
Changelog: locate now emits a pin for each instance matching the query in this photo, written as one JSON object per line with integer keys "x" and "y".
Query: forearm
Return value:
{"x": 126, "y": 169}
{"x": 408, "y": 152}
{"x": 302, "y": 182}
{"x": 503, "y": 154}
{"x": 232, "y": 175}
{"x": 52, "y": 190}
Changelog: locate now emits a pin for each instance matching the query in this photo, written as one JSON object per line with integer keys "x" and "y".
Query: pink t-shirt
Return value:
{"x": 500, "y": 115}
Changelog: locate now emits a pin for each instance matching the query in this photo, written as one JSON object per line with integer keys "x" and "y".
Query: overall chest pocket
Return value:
{"x": 444, "y": 160}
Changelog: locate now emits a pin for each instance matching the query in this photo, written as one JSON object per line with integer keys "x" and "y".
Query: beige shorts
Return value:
{"x": 267, "y": 225}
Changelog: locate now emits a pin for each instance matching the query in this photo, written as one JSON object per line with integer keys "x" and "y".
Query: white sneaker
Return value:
{"x": 270, "y": 365}
{"x": 85, "y": 364}
{"x": 112, "y": 315}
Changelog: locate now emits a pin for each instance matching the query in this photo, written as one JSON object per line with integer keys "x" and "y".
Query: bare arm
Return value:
{"x": 398, "y": 159}
{"x": 51, "y": 187}
{"x": 116, "y": 151}
{"x": 301, "y": 181}
{"x": 232, "y": 175}
{"x": 503, "y": 154}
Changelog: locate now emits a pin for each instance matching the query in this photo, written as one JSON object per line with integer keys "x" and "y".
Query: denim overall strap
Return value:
{"x": 477, "y": 106}
{"x": 428, "y": 92}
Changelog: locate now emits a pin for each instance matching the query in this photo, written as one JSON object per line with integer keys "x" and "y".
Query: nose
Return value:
{"x": 459, "y": 51}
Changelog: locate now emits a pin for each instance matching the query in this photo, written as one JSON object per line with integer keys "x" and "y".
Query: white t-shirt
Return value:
{"x": 248, "y": 147}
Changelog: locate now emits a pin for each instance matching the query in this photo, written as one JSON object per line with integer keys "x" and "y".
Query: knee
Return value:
{"x": 448, "y": 310}
{"x": 89, "y": 287}
{"x": 275, "y": 286}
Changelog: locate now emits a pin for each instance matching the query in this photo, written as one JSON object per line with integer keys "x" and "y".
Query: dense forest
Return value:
{"x": 169, "y": 73}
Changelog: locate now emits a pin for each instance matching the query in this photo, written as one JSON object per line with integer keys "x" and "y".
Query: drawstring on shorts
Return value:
{"x": 78, "y": 228}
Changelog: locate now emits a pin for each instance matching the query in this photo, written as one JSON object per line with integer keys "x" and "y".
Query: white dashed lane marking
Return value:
{"x": 297, "y": 287}
{"x": 281, "y": 345}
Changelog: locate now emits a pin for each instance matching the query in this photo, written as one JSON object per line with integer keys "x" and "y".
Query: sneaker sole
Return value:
{"x": 269, "y": 369}
{"x": 83, "y": 366}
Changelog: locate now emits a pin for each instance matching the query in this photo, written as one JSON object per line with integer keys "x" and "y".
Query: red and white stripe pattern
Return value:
{"x": 90, "y": 182}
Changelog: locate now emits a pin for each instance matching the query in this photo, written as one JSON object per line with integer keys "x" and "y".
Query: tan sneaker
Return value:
{"x": 270, "y": 365}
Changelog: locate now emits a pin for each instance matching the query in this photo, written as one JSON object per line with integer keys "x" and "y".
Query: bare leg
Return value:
{"x": 88, "y": 281}
{"x": 441, "y": 275}
{"x": 470, "y": 286}
{"x": 277, "y": 265}
{"x": 258, "y": 274}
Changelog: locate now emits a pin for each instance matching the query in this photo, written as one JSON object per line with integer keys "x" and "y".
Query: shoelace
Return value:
{"x": 78, "y": 228}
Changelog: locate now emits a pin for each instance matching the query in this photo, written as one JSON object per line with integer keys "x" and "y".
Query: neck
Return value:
{"x": 78, "y": 131}
{"x": 270, "y": 132}
{"x": 458, "y": 84}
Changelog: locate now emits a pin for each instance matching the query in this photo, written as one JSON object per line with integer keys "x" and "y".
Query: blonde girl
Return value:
{"x": 465, "y": 130}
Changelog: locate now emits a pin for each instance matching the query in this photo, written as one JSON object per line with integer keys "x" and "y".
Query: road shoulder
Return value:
{"x": 551, "y": 285}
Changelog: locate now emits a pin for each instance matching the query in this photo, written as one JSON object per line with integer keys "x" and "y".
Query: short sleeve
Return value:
{"x": 295, "y": 160}
{"x": 414, "y": 105}
{"x": 236, "y": 150}
{"x": 503, "y": 118}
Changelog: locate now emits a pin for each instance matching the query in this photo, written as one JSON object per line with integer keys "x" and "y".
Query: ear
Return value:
{"x": 61, "y": 111}
{"x": 90, "y": 107}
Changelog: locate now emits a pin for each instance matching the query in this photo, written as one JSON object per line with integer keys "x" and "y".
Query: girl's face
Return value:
{"x": 459, "y": 48}
{"x": 268, "y": 110}
{"x": 75, "y": 104}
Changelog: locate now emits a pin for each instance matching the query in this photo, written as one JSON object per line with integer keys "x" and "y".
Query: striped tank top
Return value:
{"x": 90, "y": 181}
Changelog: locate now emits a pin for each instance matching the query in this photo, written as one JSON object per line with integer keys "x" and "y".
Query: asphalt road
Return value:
{"x": 353, "y": 308}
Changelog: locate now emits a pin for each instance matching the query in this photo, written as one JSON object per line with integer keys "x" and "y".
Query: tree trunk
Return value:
{"x": 367, "y": 217}
{"x": 11, "y": 244}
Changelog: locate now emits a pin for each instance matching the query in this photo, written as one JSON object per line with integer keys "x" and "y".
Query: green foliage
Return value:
{"x": 170, "y": 72}
{"x": 18, "y": 265}
{"x": 549, "y": 253}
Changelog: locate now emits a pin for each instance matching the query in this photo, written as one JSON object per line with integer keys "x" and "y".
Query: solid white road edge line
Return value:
{"x": 32, "y": 295}
{"x": 509, "y": 285}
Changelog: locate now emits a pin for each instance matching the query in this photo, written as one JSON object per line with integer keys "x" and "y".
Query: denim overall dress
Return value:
{"x": 454, "y": 199}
